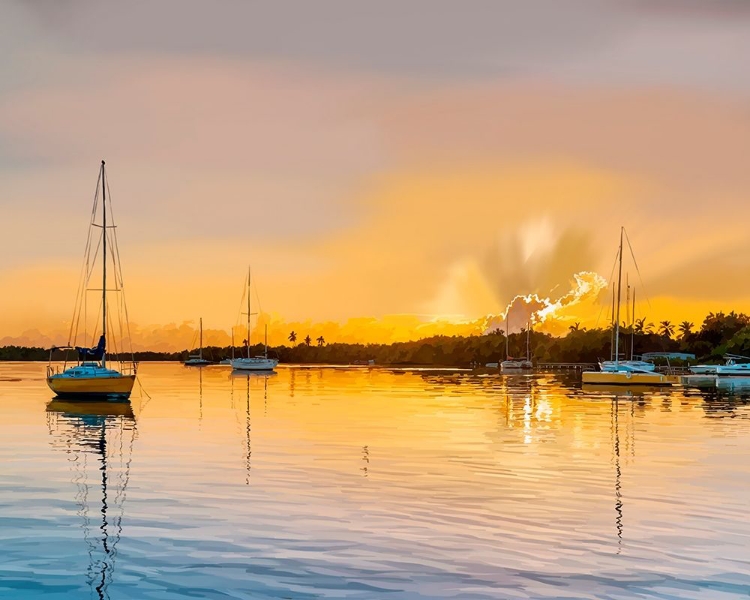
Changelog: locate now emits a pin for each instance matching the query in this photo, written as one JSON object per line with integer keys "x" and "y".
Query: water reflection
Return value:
{"x": 248, "y": 376}
{"x": 104, "y": 431}
{"x": 615, "y": 419}
{"x": 495, "y": 486}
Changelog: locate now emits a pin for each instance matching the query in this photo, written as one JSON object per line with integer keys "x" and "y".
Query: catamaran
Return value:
{"x": 253, "y": 363}
{"x": 90, "y": 378}
{"x": 197, "y": 360}
{"x": 623, "y": 372}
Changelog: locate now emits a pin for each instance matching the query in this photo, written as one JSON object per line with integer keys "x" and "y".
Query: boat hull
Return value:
{"x": 625, "y": 378}
{"x": 254, "y": 364}
{"x": 741, "y": 370}
{"x": 516, "y": 366}
{"x": 92, "y": 388}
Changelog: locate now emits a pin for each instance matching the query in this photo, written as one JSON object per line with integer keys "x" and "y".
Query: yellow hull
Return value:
{"x": 92, "y": 387}
{"x": 626, "y": 378}
{"x": 91, "y": 408}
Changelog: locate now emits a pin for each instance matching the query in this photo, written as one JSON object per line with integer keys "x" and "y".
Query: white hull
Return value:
{"x": 733, "y": 370}
{"x": 258, "y": 363}
{"x": 516, "y": 365}
{"x": 704, "y": 369}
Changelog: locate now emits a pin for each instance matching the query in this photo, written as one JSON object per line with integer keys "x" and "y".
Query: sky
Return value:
{"x": 389, "y": 170}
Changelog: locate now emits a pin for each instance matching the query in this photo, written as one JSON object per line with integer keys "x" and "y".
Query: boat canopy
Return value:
{"x": 96, "y": 353}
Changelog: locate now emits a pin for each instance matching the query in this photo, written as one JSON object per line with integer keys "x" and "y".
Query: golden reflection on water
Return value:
{"x": 480, "y": 483}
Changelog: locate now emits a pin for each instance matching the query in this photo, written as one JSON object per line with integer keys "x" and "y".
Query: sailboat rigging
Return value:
{"x": 197, "y": 360}
{"x": 623, "y": 372}
{"x": 90, "y": 377}
{"x": 511, "y": 365}
{"x": 253, "y": 363}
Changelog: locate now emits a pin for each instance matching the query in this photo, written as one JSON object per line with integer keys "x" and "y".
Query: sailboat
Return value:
{"x": 197, "y": 360}
{"x": 510, "y": 365}
{"x": 90, "y": 378}
{"x": 623, "y": 372}
{"x": 253, "y": 363}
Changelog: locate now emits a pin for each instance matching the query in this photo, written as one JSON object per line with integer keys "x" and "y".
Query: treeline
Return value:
{"x": 719, "y": 334}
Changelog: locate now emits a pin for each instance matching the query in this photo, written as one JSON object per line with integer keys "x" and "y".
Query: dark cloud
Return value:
{"x": 421, "y": 37}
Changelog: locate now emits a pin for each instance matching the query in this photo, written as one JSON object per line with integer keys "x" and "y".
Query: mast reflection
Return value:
{"x": 104, "y": 431}
{"x": 615, "y": 419}
{"x": 248, "y": 428}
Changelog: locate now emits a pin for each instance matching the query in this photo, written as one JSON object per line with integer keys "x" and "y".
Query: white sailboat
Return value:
{"x": 623, "y": 372}
{"x": 253, "y": 363}
{"x": 517, "y": 365}
{"x": 197, "y": 360}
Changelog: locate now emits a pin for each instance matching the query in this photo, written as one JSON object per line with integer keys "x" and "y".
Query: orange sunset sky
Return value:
{"x": 391, "y": 170}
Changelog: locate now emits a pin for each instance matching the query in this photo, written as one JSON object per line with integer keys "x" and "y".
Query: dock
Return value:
{"x": 563, "y": 366}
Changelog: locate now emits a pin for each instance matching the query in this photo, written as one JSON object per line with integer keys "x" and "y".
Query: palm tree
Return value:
{"x": 642, "y": 327}
{"x": 575, "y": 327}
{"x": 686, "y": 328}
{"x": 293, "y": 337}
{"x": 666, "y": 328}
{"x": 308, "y": 340}
{"x": 321, "y": 341}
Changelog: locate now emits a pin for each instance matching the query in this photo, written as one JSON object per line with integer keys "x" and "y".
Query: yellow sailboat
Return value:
{"x": 89, "y": 377}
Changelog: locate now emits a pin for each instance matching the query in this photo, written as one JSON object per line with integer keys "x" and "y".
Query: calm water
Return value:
{"x": 333, "y": 483}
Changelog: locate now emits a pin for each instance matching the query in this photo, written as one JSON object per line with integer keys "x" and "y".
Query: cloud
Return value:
{"x": 426, "y": 39}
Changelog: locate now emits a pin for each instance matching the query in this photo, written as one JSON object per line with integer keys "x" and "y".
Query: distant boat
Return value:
{"x": 627, "y": 372}
{"x": 197, "y": 360}
{"x": 516, "y": 365}
{"x": 90, "y": 378}
{"x": 732, "y": 368}
{"x": 729, "y": 368}
{"x": 253, "y": 363}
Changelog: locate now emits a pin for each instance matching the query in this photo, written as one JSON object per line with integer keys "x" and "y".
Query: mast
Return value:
{"x": 248, "y": 311}
{"x": 528, "y": 341}
{"x": 266, "y": 341}
{"x": 632, "y": 330}
{"x": 612, "y": 322}
{"x": 507, "y": 314}
{"x": 627, "y": 312}
{"x": 200, "y": 349}
{"x": 619, "y": 290}
{"x": 104, "y": 266}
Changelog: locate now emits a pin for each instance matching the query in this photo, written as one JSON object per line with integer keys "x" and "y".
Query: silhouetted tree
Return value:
{"x": 666, "y": 329}
{"x": 575, "y": 327}
{"x": 308, "y": 340}
{"x": 321, "y": 341}
{"x": 686, "y": 328}
{"x": 642, "y": 327}
{"x": 293, "y": 337}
